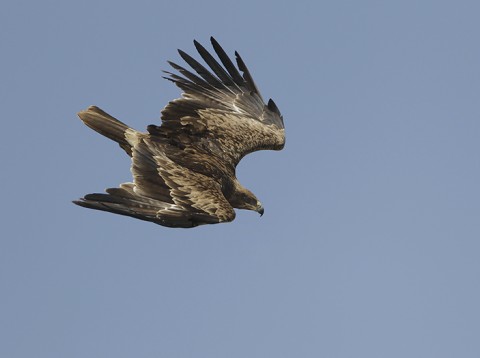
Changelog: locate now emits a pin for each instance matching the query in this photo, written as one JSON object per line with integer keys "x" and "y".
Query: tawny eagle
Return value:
{"x": 184, "y": 170}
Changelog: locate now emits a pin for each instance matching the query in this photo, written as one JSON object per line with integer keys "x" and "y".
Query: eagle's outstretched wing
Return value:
{"x": 221, "y": 112}
{"x": 163, "y": 192}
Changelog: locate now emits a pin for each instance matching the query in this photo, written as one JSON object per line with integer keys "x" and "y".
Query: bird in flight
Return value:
{"x": 184, "y": 169}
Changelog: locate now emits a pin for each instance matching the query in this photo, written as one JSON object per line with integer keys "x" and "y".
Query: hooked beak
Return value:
{"x": 260, "y": 210}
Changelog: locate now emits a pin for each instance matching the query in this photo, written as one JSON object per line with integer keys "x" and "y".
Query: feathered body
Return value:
{"x": 184, "y": 169}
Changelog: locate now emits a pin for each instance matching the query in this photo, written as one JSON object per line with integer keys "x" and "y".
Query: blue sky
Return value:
{"x": 370, "y": 242}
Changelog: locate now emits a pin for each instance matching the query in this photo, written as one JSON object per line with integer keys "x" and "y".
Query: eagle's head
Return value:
{"x": 254, "y": 204}
{"x": 243, "y": 198}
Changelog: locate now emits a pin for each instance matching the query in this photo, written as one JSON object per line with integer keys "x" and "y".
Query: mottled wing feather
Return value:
{"x": 221, "y": 105}
{"x": 163, "y": 191}
{"x": 188, "y": 192}
{"x": 125, "y": 201}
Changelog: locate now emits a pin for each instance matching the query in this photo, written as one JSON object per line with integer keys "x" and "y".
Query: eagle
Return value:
{"x": 184, "y": 169}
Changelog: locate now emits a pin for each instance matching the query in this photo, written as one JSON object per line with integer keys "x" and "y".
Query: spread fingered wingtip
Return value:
{"x": 273, "y": 107}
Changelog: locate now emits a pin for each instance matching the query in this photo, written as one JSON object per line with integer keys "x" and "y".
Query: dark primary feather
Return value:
{"x": 184, "y": 169}
{"x": 214, "y": 65}
{"x": 246, "y": 75}
{"x": 232, "y": 70}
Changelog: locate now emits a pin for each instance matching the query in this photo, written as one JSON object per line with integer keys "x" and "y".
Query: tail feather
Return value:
{"x": 106, "y": 125}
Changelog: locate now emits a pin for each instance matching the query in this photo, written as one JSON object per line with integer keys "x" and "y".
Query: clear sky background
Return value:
{"x": 370, "y": 242}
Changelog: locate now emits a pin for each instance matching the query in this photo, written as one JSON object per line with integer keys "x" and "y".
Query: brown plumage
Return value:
{"x": 184, "y": 169}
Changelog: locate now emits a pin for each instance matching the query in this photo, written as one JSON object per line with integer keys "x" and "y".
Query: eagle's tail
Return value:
{"x": 107, "y": 125}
